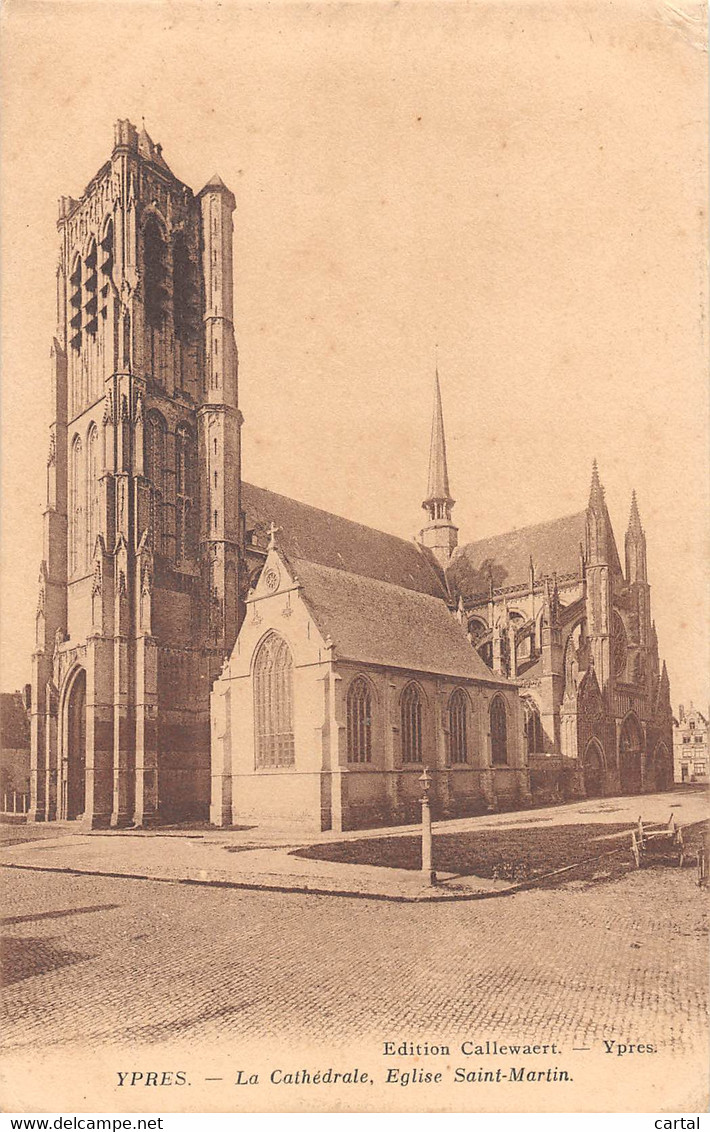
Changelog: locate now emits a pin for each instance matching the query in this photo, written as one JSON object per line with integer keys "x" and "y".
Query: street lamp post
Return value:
{"x": 428, "y": 873}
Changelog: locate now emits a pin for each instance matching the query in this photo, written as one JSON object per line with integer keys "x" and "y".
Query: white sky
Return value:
{"x": 524, "y": 185}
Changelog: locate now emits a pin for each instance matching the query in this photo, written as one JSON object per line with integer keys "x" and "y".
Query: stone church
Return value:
{"x": 207, "y": 647}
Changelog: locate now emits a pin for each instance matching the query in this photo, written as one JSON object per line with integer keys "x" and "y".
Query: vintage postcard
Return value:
{"x": 354, "y": 588}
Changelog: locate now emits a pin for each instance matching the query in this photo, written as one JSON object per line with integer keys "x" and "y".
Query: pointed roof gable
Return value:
{"x": 374, "y": 622}
{"x": 318, "y": 536}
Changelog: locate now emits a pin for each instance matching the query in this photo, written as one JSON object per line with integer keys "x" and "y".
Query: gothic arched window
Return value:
{"x": 155, "y": 273}
{"x": 359, "y": 721}
{"x": 185, "y": 293}
{"x": 93, "y": 472}
{"x": 155, "y": 471}
{"x": 77, "y": 495}
{"x": 411, "y": 719}
{"x": 499, "y": 732}
{"x": 458, "y": 738}
{"x": 184, "y": 493}
{"x": 534, "y": 736}
{"x": 273, "y": 703}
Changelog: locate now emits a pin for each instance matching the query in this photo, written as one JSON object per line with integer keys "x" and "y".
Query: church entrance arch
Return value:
{"x": 593, "y": 770}
{"x": 74, "y": 748}
{"x": 631, "y": 746}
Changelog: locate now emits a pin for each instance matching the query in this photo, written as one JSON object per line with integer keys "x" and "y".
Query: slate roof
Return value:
{"x": 320, "y": 537}
{"x": 554, "y": 546}
{"x": 375, "y": 622}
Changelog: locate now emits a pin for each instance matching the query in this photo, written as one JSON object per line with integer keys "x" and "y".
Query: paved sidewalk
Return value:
{"x": 262, "y": 858}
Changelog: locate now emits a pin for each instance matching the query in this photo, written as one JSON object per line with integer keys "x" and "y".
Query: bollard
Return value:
{"x": 428, "y": 873}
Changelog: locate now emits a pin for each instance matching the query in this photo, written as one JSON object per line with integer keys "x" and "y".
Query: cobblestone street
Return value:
{"x": 102, "y": 960}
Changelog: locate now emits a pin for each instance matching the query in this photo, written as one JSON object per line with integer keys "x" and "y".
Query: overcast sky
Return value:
{"x": 524, "y": 185}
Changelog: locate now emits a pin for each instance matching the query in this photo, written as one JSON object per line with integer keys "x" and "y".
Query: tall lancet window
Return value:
{"x": 155, "y": 273}
{"x": 458, "y": 737}
{"x": 93, "y": 472}
{"x": 186, "y": 294}
{"x": 499, "y": 732}
{"x": 155, "y": 471}
{"x": 156, "y": 295}
{"x": 534, "y": 736}
{"x": 273, "y": 703}
{"x": 184, "y": 494}
{"x": 411, "y": 720}
{"x": 77, "y": 496}
{"x": 359, "y": 721}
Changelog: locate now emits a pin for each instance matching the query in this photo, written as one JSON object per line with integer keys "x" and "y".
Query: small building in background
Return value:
{"x": 690, "y": 746}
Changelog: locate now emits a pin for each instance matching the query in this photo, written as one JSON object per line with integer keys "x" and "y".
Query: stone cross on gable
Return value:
{"x": 272, "y": 532}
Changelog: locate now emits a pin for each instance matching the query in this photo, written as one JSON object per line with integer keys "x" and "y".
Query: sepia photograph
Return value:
{"x": 354, "y": 681}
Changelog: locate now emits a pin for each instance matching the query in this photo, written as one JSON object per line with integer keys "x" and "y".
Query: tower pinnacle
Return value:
{"x": 635, "y": 545}
{"x": 634, "y": 517}
{"x": 596, "y": 492}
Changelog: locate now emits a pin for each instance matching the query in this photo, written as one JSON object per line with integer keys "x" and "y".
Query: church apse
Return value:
{"x": 551, "y": 607}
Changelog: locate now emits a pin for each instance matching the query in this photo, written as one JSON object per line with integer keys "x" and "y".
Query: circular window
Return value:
{"x": 271, "y": 580}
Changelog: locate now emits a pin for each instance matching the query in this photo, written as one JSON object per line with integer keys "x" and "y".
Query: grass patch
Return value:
{"x": 509, "y": 854}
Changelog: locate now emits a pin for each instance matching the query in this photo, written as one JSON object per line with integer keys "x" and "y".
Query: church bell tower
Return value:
{"x": 138, "y": 601}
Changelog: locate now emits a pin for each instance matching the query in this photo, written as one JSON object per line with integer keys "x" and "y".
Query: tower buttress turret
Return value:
{"x": 598, "y": 578}
{"x": 596, "y": 526}
{"x": 439, "y": 534}
{"x": 552, "y": 662}
{"x": 637, "y": 578}
{"x": 219, "y": 417}
{"x": 635, "y": 545}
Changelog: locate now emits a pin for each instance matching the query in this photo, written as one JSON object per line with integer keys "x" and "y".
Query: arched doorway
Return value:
{"x": 593, "y": 770}
{"x": 74, "y": 762}
{"x": 630, "y": 753}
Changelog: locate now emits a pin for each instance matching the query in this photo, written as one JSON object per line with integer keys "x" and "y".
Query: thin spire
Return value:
{"x": 634, "y": 517}
{"x": 439, "y": 535}
{"x": 596, "y": 492}
{"x": 438, "y": 488}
